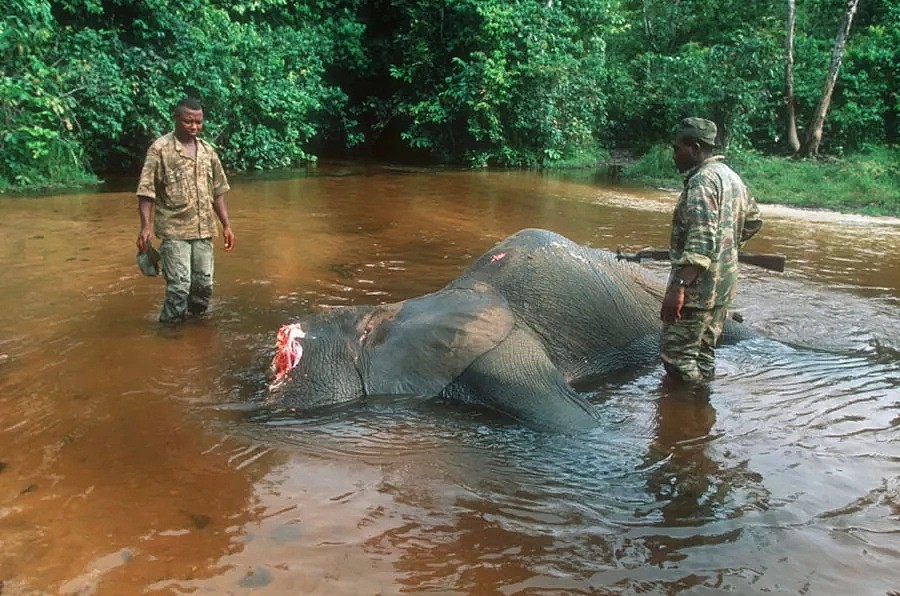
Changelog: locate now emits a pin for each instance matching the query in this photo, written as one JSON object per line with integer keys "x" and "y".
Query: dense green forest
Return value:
{"x": 85, "y": 86}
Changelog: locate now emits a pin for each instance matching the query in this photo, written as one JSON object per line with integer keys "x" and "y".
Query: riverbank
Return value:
{"x": 865, "y": 183}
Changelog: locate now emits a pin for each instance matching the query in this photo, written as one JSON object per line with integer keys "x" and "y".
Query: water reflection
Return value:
{"x": 681, "y": 474}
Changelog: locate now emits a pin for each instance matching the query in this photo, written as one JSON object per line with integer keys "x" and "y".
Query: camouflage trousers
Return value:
{"x": 188, "y": 269}
{"x": 688, "y": 346}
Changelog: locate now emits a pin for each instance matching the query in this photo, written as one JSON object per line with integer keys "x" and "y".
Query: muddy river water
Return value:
{"x": 139, "y": 461}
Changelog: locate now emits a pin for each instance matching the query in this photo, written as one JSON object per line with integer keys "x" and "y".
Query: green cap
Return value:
{"x": 148, "y": 262}
{"x": 697, "y": 129}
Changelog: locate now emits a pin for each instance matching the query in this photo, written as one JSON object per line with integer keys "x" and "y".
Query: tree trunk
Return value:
{"x": 790, "y": 124}
{"x": 648, "y": 28}
{"x": 814, "y": 132}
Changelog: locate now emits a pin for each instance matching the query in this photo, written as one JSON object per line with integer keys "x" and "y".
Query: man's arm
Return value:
{"x": 702, "y": 225}
{"x": 752, "y": 221}
{"x": 222, "y": 212}
{"x": 145, "y": 209}
{"x": 146, "y": 193}
{"x": 220, "y": 187}
{"x": 703, "y": 220}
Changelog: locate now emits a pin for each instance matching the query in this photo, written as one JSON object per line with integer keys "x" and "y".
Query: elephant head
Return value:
{"x": 315, "y": 358}
{"x": 414, "y": 347}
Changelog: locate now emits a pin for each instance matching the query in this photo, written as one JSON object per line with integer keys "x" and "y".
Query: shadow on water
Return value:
{"x": 135, "y": 461}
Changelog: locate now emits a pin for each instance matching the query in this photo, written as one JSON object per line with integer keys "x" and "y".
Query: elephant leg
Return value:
{"x": 518, "y": 379}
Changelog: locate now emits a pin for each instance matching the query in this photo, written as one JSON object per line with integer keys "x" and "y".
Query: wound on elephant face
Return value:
{"x": 288, "y": 352}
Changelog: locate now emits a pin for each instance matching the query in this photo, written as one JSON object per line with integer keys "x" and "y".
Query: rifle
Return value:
{"x": 772, "y": 262}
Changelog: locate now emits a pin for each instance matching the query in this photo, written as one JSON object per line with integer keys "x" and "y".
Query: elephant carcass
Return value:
{"x": 526, "y": 321}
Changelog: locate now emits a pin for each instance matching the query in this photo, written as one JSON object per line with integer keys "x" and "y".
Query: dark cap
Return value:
{"x": 697, "y": 129}
{"x": 148, "y": 262}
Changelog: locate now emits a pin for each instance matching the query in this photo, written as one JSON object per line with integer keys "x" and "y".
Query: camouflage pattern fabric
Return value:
{"x": 697, "y": 129}
{"x": 188, "y": 267}
{"x": 713, "y": 217}
{"x": 688, "y": 346}
{"x": 182, "y": 188}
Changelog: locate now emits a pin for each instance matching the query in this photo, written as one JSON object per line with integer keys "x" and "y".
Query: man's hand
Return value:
{"x": 228, "y": 235}
{"x": 672, "y": 304}
{"x": 143, "y": 239}
{"x": 222, "y": 212}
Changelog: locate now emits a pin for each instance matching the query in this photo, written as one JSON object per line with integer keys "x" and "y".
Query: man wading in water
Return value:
{"x": 184, "y": 185}
{"x": 713, "y": 217}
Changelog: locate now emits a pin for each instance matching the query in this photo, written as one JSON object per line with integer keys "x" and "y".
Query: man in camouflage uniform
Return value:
{"x": 183, "y": 184}
{"x": 713, "y": 217}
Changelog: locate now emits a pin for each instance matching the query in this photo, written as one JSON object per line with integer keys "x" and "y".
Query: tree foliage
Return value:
{"x": 85, "y": 85}
{"x": 725, "y": 59}
{"x": 38, "y": 143}
{"x": 259, "y": 67}
{"x": 503, "y": 82}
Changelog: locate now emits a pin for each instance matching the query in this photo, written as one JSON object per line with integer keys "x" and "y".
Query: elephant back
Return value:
{"x": 577, "y": 300}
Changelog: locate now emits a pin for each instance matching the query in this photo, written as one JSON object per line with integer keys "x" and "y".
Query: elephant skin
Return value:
{"x": 514, "y": 332}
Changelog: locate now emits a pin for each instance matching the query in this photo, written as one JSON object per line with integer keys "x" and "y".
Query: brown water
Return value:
{"x": 135, "y": 461}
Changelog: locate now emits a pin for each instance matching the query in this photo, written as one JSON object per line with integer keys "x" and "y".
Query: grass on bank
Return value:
{"x": 867, "y": 182}
{"x": 61, "y": 170}
{"x": 36, "y": 186}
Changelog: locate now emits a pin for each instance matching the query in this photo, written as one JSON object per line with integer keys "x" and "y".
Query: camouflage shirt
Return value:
{"x": 182, "y": 188}
{"x": 713, "y": 217}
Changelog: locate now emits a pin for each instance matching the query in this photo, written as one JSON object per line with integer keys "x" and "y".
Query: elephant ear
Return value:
{"x": 427, "y": 343}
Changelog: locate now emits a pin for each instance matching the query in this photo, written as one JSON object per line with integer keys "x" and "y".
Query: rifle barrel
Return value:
{"x": 773, "y": 262}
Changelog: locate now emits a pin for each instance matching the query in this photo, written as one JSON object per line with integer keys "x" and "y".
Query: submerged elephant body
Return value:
{"x": 526, "y": 321}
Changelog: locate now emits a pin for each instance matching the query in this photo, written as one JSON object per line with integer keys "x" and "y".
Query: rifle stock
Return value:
{"x": 773, "y": 262}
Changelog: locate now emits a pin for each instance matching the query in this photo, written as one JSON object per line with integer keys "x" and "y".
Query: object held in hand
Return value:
{"x": 148, "y": 262}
